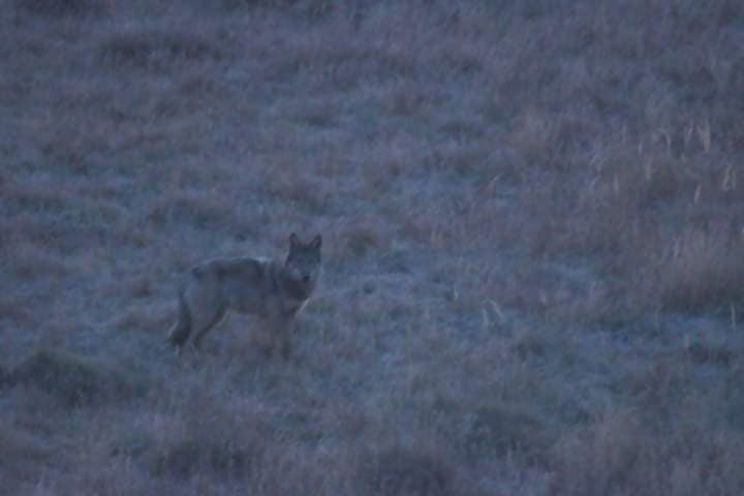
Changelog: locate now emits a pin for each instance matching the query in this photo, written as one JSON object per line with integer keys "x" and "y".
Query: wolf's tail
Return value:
{"x": 180, "y": 331}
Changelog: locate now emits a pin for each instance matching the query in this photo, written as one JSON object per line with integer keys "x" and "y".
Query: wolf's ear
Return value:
{"x": 316, "y": 242}
{"x": 293, "y": 240}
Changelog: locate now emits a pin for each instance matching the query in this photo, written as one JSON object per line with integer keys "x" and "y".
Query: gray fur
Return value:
{"x": 270, "y": 290}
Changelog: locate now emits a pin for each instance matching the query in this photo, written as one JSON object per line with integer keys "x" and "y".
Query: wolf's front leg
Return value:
{"x": 281, "y": 330}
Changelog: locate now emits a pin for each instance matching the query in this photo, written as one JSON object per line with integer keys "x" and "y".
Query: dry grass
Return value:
{"x": 624, "y": 454}
{"x": 532, "y": 214}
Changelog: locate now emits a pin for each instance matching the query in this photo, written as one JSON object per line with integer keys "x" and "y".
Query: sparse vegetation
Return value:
{"x": 533, "y": 226}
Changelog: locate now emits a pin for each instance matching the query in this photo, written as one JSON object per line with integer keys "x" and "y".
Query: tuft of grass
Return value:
{"x": 297, "y": 189}
{"x": 702, "y": 272}
{"x": 709, "y": 353}
{"x": 204, "y": 212}
{"x": 320, "y": 114}
{"x": 74, "y": 380}
{"x": 622, "y": 454}
{"x": 306, "y": 8}
{"x": 212, "y": 440}
{"x": 187, "y": 457}
{"x": 502, "y": 430}
{"x": 156, "y": 49}
{"x": 20, "y": 452}
{"x": 534, "y": 137}
{"x": 4, "y": 377}
{"x": 363, "y": 237}
{"x": 399, "y": 471}
{"x": 56, "y": 8}
{"x": 33, "y": 261}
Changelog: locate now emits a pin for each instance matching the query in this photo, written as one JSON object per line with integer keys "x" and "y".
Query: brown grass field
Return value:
{"x": 533, "y": 218}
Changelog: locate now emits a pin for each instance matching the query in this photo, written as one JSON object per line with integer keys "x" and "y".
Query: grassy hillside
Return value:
{"x": 533, "y": 221}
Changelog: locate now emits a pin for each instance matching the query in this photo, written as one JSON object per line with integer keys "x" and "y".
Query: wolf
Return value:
{"x": 271, "y": 290}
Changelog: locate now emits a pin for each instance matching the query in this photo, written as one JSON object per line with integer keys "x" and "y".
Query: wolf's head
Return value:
{"x": 303, "y": 260}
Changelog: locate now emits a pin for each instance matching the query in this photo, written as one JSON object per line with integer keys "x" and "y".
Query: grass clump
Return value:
{"x": 156, "y": 49}
{"x": 621, "y": 454}
{"x": 4, "y": 377}
{"x": 210, "y": 440}
{"x": 66, "y": 8}
{"x": 703, "y": 273}
{"x": 74, "y": 380}
{"x": 188, "y": 456}
{"x": 402, "y": 471}
{"x": 502, "y": 430}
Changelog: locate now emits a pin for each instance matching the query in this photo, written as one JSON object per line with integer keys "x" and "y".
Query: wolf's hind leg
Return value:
{"x": 218, "y": 317}
{"x": 180, "y": 331}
